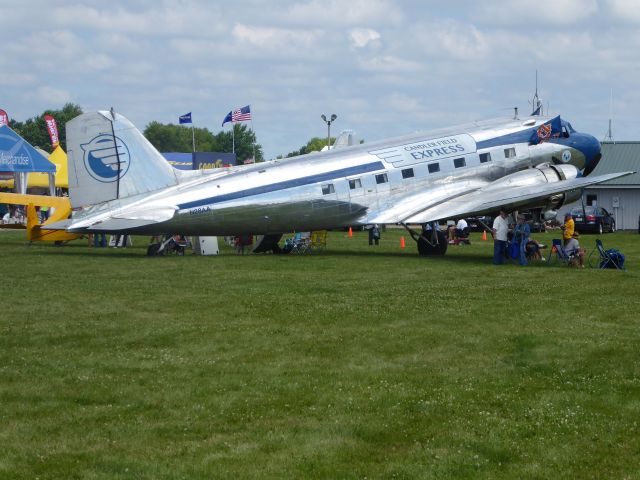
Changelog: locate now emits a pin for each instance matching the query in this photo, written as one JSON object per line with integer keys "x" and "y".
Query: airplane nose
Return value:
{"x": 590, "y": 148}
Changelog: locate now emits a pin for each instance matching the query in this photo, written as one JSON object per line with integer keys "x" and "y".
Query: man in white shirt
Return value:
{"x": 500, "y": 231}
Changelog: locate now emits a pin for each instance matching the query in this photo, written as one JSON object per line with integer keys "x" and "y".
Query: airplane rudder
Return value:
{"x": 110, "y": 159}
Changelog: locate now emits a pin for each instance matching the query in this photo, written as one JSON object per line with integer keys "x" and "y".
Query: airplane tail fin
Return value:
{"x": 110, "y": 159}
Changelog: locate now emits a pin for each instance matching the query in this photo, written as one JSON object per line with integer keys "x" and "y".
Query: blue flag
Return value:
{"x": 547, "y": 130}
{"x": 186, "y": 118}
{"x": 227, "y": 119}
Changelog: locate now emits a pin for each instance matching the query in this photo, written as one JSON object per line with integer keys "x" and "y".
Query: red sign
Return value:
{"x": 53, "y": 130}
{"x": 4, "y": 118}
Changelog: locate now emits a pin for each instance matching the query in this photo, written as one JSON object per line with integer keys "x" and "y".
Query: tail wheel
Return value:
{"x": 439, "y": 249}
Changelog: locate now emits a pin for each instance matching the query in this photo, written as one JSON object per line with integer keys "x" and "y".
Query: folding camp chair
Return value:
{"x": 558, "y": 254}
{"x": 300, "y": 242}
{"x": 606, "y": 258}
{"x": 318, "y": 241}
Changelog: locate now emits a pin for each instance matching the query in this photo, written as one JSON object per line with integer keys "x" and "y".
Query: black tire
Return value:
{"x": 440, "y": 249}
{"x": 600, "y": 229}
{"x": 152, "y": 250}
{"x": 613, "y": 227}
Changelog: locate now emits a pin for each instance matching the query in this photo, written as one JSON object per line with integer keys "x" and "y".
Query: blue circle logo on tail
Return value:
{"x": 106, "y": 158}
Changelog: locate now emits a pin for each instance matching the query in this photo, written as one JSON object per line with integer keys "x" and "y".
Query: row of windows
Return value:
{"x": 408, "y": 172}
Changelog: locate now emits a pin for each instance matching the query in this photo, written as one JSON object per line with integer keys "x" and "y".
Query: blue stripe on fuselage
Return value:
{"x": 296, "y": 182}
{"x": 523, "y": 136}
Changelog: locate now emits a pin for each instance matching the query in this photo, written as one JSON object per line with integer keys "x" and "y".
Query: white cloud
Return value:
{"x": 53, "y": 95}
{"x": 338, "y": 13}
{"x": 625, "y": 10}
{"x": 361, "y": 37}
{"x": 539, "y": 14}
{"x": 280, "y": 40}
{"x": 451, "y": 39}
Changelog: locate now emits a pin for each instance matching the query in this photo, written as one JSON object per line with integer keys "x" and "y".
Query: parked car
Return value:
{"x": 593, "y": 220}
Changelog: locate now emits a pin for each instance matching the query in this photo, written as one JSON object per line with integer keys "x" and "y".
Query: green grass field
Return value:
{"x": 360, "y": 362}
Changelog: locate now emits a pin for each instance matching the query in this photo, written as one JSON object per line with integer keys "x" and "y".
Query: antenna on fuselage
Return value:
{"x": 609, "y": 136}
{"x": 515, "y": 113}
{"x": 536, "y": 103}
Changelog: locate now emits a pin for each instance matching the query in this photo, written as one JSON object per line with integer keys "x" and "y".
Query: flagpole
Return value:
{"x": 193, "y": 138}
{"x": 254, "y": 137}
{"x": 233, "y": 138}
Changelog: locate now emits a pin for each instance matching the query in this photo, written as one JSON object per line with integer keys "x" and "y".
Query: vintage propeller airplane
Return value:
{"x": 119, "y": 183}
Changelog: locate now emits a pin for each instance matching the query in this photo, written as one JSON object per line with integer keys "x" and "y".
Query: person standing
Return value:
{"x": 374, "y": 235}
{"x": 568, "y": 228}
{"x": 500, "y": 231}
{"x": 521, "y": 236}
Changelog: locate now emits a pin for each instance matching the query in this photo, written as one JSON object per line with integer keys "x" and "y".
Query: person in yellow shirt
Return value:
{"x": 568, "y": 228}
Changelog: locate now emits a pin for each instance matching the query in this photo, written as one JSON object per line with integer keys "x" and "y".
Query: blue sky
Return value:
{"x": 385, "y": 67}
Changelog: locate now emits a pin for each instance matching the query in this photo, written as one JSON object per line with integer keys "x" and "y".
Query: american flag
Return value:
{"x": 241, "y": 114}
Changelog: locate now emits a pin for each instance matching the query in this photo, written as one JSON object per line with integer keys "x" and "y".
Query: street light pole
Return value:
{"x": 328, "y": 122}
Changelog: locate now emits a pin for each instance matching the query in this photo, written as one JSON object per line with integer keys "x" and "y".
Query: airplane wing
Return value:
{"x": 39, "y": 200}
{"x": 125, "y": 220}
{"x": 488, "y": 200}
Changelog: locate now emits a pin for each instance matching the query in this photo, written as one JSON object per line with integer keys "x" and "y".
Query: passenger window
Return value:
{"x": 510, "y": 152}
{"x": 459, "y": 162}
{"x": 355, "y": 183}
{"x": 327, "y": 189}
{"x": 485, "y": 157}
{"x": 381, "y": 178}
{"x": 407, "y": 173}
{"x": 434, "y": 167}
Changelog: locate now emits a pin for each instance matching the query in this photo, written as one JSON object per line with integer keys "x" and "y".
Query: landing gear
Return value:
{"x": 431, "y": 241}
{"x": 429, "y": 247}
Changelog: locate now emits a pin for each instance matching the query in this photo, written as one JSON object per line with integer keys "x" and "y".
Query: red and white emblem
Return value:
{"x": 544, "y": 132}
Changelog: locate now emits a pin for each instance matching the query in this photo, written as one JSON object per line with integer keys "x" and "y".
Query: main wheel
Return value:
{"x": 152, "y": 250}
{"x": 440, "y": 249}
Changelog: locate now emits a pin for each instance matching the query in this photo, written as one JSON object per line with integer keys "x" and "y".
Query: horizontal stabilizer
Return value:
{"x": 125, "y": 219}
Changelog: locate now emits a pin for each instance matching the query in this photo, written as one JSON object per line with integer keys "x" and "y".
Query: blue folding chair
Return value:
{"x": 606, "y": 258}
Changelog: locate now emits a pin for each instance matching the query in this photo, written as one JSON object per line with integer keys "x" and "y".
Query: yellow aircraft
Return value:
{"x": 41, "y": 180}
{"x": 36, "y": 231}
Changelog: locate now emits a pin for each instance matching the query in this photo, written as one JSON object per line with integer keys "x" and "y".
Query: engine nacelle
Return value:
{"x": 541, "y": 174}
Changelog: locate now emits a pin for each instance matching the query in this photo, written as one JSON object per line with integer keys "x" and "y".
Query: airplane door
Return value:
{"x": 343, "y": 197}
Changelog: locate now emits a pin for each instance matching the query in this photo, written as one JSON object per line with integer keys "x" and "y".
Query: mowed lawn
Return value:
{"x": 360, "y": 362}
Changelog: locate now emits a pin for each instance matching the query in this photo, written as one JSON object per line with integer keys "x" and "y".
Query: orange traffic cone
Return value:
{"x": 484, "y": 235}
{"x": 401, "y": 242}
{"x": 350, "y": 232}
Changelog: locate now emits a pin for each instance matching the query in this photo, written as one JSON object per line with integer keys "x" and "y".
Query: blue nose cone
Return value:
{"x": 590, "y": 148}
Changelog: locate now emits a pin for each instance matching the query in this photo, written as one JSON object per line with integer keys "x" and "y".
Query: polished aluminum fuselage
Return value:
{"x": 359, "y": 185}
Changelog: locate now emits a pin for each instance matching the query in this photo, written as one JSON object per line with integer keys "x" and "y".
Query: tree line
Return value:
{"x": 164, "y": 137}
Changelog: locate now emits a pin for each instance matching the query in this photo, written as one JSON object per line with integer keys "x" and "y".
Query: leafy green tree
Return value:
{"x": 176, "y": 138}
{"x": 245, "y": 141}
{"x": 316, "y": 144}
{"x": 34, "y": 130}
